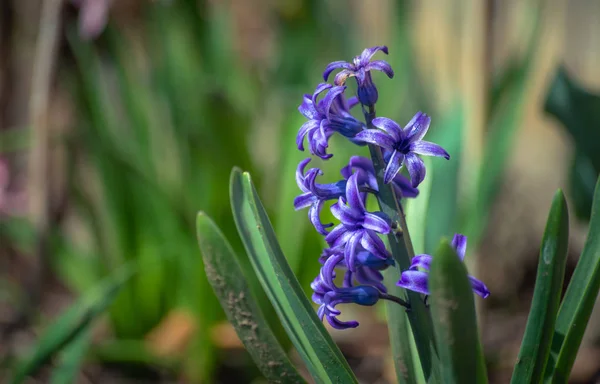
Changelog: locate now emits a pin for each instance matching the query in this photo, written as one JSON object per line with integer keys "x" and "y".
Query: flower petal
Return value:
{"x": 304, "y": 130}
{"x": 403, "y": 186}
{"x": 376, "y": 223}
{"x": 300, "y": 174}
{"x": 330, "y": 98}
{"x": 353, "y": 194}
{"x": 459, "y": 243}
{"x": 307, "y": 108}
{"x": 327, "y": 273}
{"x": 367, "y": 53}
{"x": 345, "y": 214}
{"x": 416, "y": 168}
{"x": 373, "y": 136}
{"x": 478, "y": 287}
{"x": 390, "y": 126}
{"x": 342, "y": 76}
{"x": 381, "y": 65}
{"x": 350, "y": 251}
{"x": 314, "y": 215}
{"x": 372, "y": 243}
{"x": 417, "y": 127}
{"x": 304, "y": 200}
{"x": 393, "y": 166}
{"x": 415, "y": 281}
{"x": 320, "y": 88}
{"x": 428, "y": 149}
{"x": 335, "y": 65}
{"x": 352, "y": 102}
{"x": 421, "y": 261}
{"x": 337, "y": 236}
{"x": 338, "y": 324}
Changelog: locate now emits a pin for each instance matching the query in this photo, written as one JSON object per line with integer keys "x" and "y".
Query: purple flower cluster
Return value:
{"x": 415, "y": 278}
{"x": 356, "y": 253}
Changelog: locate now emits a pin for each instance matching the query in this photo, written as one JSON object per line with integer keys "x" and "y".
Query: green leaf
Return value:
{"x": 70, "y": 359}
{"x": 323, "y": 358}
{"x": 535, "y": 347}
{"x": 454, "y": 319}
{"x": 73, "y": 322}
{"x": 578, "y": 110}
{"x": 230, "y": 285}
{"x": 578, "y": 302}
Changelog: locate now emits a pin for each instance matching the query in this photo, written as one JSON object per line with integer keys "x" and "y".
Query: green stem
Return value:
{"x": 402, "y": 252}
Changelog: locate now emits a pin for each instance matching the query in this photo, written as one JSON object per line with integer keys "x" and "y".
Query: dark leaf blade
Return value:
{"x": 323, "y": 358}
{"x": 578, "y": 302}
{"x": 579, "y": 112}
{"x": 73, "y": 322}
{"x": 229, "y": 283}
{"x": 454, "y": 319}
{"x": 536, "y": 344}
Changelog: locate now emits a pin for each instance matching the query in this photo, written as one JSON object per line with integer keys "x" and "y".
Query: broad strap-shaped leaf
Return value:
{"x": 577, "y": 303}
{"x": 73, "y": 322}
{"x": 323, "y": 358}
{"x": 231, "y": 287}
{"x": 535, "y": 347}
{"x": 454, "y": 319}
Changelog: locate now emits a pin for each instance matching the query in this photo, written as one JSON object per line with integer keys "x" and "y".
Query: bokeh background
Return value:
{"x": 119, "y": 120}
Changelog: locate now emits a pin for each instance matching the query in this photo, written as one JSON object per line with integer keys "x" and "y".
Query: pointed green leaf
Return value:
{"x": 70, "y": 359}
{"x": 323, "y": 358}
{"x": 454, "y": 319}
{"x": 578, "y": 302}
{"x": 230, "y": 285}
{"x": 73, "y": 322}
{"x": 535, "y": 347}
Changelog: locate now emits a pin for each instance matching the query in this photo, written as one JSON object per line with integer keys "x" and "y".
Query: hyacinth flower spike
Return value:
{"x": 361, "y": 68}
{"x": 416, "y": 278}
{"x": 403, "y": 146}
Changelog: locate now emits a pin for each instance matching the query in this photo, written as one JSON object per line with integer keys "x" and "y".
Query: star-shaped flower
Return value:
{"x": 361, "y": 68}
{"x": 403, "y": 145}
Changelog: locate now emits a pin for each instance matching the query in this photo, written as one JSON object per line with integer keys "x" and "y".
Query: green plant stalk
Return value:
{"x": 402, "y": 252}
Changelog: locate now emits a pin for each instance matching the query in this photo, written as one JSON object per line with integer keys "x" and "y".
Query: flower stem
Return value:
{"x": 395, "y": 299}
{"x": 402, "y": 252}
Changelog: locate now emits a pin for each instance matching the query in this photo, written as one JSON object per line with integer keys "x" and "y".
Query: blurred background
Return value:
{"x": 119, "y": 120}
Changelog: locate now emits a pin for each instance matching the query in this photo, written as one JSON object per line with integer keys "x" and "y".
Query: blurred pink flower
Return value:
{"x": 3, "y": 184}
{"x": 11, "y": 203}
{"x": 93, "y": 16}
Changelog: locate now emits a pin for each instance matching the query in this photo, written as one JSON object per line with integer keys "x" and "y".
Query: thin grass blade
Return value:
{"x": 535, "y": 347}
{"x": 454, "y": 319}
{"x": 323, "y": 358}
{"x": 73, "y": 322}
